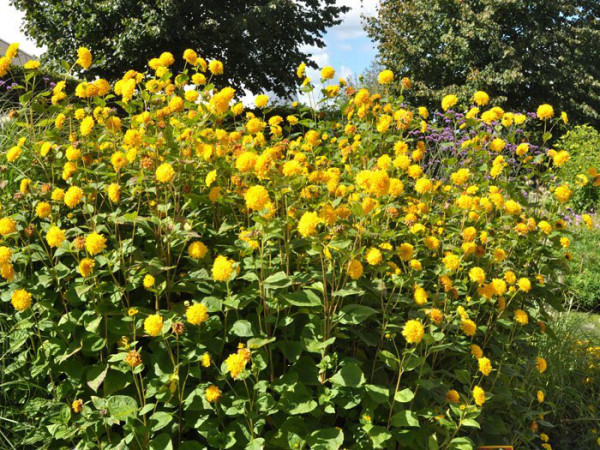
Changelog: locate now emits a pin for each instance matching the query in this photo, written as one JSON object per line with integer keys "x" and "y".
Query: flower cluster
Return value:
{"x": 243, "y": 276}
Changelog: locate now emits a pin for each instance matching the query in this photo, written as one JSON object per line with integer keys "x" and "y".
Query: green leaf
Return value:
{"x": 349, "y": 375}
{"x": 161, "y": 442}
{"x": 327, "y": 439}
{"x": 258, "y": 342}
{"x": 379, "y": 394}
{"x": 405, "y": 418}
{"x": 277, "y": 281}
{"x": 304, "y": 298}
{"x": 461, "y": 443}
{"x": 159, "y": 420}
{"x": 242, "y": 328}
{"x": 355, "y": 314}
{"x": 96, "y": 375}
{"x": 379, "y": 435}
{"x": 404, "y": 396}
{"x": 122, "y": 406}
{"x": 470, "y": 423}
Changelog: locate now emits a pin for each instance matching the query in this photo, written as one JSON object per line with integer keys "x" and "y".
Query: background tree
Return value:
{"x": 259, "y": 41}
{"x": 526, "y": 51}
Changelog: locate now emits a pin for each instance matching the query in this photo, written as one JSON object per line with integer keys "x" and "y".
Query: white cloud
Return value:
{"x": 10, "y": 24}
{"x": 351, "y": 26}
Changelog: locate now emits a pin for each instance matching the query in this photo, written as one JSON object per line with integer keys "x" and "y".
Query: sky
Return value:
{"x": 348, "y": 49}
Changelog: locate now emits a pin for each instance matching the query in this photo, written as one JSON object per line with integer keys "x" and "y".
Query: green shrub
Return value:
{"x": 572, "y": 391}
{"x": 584, "y": 278}
{"x": 583, "y": 145}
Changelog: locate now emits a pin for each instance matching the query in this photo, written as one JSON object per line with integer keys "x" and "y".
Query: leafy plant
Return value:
{"x": 583, "y": 145}
{"x": 179, "y": 274}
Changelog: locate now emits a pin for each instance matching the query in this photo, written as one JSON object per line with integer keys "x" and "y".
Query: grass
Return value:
{"x": 573, "y": 380}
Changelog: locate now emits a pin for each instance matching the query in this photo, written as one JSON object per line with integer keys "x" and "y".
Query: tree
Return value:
{"x": 260, "y": 41}
{"x": 526, "y": 52}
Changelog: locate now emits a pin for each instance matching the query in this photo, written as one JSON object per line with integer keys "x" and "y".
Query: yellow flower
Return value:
{"x": 148, "y": 281}
{"x": 545, "y": 112}
{"x": 133, "y": 358}
{"x": 197, "y": 250}
{"x": 222, "y": 268}
{"x": 43, "y": 210}
{"x": 55, "y": 236}
{"x": 308, "y": 224}
{"x": 205, "y": 360}
{"x": 563, "y": 193}
{"x": 423, "y": 185}
{"x": 478, "y": 396}
{"x": 413, "y": 331}
{"x": 436, "y": 315}
{"x": 327, "y": 73}
{"x": 477, "y": 275}
{"x": 236, "y": 362}
{"x": 451, "y": 261}
{"x": 114, "y": 192}
{"x": 485, "y": 366}
{"x": 355, "y": 269}
{"x": 153, "y": 325}
{"x": 540, "y": 396}
{"x": 301, "y": 70}
{"x": 5, "y": 255}
{"x": 86, "y": 266}
{"x": 196, "y": 314}
{"x": 77, "y": 406}
{"x": 469, "y": 327}
{"x": 460, "y": 177}
{"x": 420, "y": 295}
{"x": 476, "y": 351}
{"x": 95, "y": 243}
{"x": 73, "y": 196}
{"x": 165, "y": 173}
{"x": 481, "y": 98}
{"x": 541, "y": 364}
{"x": 215, "y": 67}
{"x": 21, "y": 300}
{"x": 499, "y": 286}
{"x": 385, "y": 77}
{"x": 213, "y": 394}
{"x": 84, "y": 57}
{"x": 261, "y": 101}
{"x": 524, "y": 284}
{"x": 449, "y": 101}
{"x": 497, "y": 145}
{"x": 13, "y": 154}
{"x": 7, "y": 226}
{"x": 373, "y": 256}
{"x": 406, "y": 251}
{"x": 452, "y": 396}
{"x": 256, "y": 198}
{"x": 190, "y": 56}
{"x": 86, "y": 126}
{"x": 31, "y": 64}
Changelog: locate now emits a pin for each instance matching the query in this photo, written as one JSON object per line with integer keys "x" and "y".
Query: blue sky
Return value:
{"x": 348, "y": 48}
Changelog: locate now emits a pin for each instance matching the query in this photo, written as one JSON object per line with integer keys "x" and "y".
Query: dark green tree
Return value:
{"x": 526, "y": 52}
{"x": 260, "y": 41}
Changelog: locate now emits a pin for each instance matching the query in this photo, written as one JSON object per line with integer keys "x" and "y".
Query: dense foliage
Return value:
{"x": 372, "y": 281}
{"x": 583, "y": 145}
{"x": 525, "y": 52}
{"x": 573, "y": 350}
{"x": 584, "y": 277}
{"x": 260, "y": 41}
